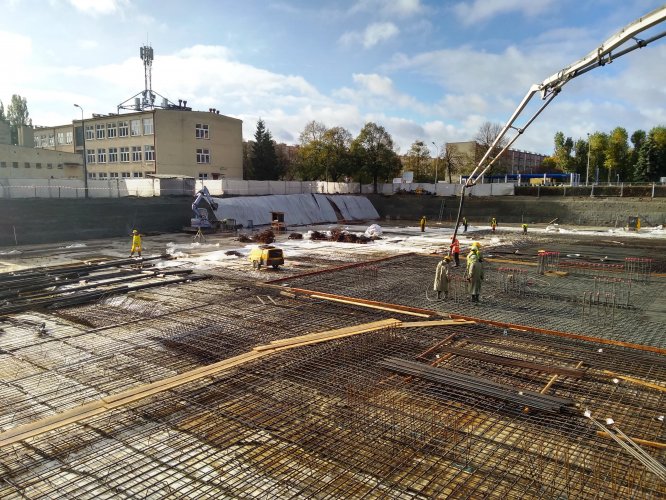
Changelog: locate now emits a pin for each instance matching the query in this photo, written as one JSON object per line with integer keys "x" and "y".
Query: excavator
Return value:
{"x": 624, "y": 41}
{"x": 202, "y": 220}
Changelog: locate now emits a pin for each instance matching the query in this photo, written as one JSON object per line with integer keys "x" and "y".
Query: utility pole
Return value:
{"x": 436, "y": 163}
{"x": 85, "y": 153}
{"x": 587, "y": 172}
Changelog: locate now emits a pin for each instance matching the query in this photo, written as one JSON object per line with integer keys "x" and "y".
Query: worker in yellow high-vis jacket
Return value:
{"x": 136, "y": 243}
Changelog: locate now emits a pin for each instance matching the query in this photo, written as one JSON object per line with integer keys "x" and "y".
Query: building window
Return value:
{"x": 90, "y": 156}
{"x": 124, "y": 154}
{"x": 111, "y": 130}
{"x": 126, "y": 175}
{"x": 51, "y": 140}
{"x": 60, "y": 166}
{"x": 136, "y": 153}
{"x": 114, "y": 175}
{"x": 203, "y": 156}
{"x": 90, "y": 132}
{"x": 149, "y": 153}
{"x": 3, "y": 164}
{"x": 203, "y": 175}
{"x": 61, "y": 138}
{"x": 113, "y": 155}
{"x": 147, "y": 126}
{"x": 100, "y": 130}
{"x": 123, "y": 129}
{"x": 49, "y": 165}
{"x": 102, "y": 175}
{"x": 201, "y": 131}
{"x": 136, "y": 127}
{"x": 70, "y": 137}
{"x": 138, "y": 174}
{"x": 92, "y": 175}
{"x": 26, "y": 164}
{"x": 38, "y": 165}
{"x": 101, "y": 156}
{"x": 14, "y": 164}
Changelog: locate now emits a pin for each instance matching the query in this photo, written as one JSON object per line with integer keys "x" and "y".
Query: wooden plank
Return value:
{"x": 557, "y": 333}
{"x": 634, "y": 380}
{"x": 437, "y": 322}
{"x": 365, "y": 303}
{"x": 129, "y": 396}
{"x": 644, "y": 442}
{"x": 331, "y": 334}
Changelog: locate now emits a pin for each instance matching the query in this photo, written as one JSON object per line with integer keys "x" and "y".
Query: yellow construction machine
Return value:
{"x": 266, "y": 255}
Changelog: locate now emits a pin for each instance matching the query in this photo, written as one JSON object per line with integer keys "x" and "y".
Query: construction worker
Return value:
{"x": 476, "y": 245}
{"x": 524, "y": 226}
{"x": 442, "y": 271}
{"x": 423, "y": 223}
{"x": 464, "y": 222}
{"x": 455, "y": 250}
{"x": 474, "y": 274}
{"x": 136, "y": 243}
{"x": 493, "y": 224}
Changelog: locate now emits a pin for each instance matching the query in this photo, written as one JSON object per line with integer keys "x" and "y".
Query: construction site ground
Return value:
{"x": 189, "y": 374}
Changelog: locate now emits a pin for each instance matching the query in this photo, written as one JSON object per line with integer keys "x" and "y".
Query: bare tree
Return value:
{"x": 485, "y": 137}
{"x": 452, "y": 160}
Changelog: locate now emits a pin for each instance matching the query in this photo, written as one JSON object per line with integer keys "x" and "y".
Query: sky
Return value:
{"x": 425, "y": 70}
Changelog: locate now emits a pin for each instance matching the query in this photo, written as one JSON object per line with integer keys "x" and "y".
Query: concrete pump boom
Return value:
{"x": 552, "y": 86}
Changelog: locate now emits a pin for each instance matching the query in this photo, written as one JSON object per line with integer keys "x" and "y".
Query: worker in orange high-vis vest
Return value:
{"x": 136, "y": 243}
{"x": 455, "y": 251}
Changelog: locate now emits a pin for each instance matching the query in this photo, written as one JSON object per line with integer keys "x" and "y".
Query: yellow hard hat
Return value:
{"x": 447, "y": 258}
{"x": 476, "y": 244}
{"x": 135, "y": 231}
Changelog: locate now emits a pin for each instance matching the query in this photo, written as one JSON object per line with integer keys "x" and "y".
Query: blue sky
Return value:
{"x": 433, "y": 71}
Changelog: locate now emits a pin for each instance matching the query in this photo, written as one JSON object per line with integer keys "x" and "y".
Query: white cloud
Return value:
{"x": 388, "y": 8}
{"x": 98, "y": 7}
{"x": 371, "y": 36}
{"x": 476, "y": 11}
{"x": 88, "y": 44}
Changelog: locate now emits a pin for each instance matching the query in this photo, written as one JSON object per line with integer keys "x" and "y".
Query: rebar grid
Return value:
{"x": 144, "y": 337}
{"x": 325, "y": 422}
{"x": 551, "y": 302}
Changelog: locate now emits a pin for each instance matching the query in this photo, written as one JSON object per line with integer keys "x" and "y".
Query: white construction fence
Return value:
{"x": 148, "y": 187}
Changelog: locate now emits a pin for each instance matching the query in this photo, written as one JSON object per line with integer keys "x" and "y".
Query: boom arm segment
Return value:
{"x": 552, "y": 85}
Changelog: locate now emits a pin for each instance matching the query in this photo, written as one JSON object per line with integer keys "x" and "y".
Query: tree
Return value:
{"x": 337, "y": 143}
{"x": 2, "y": 111}
{"x": 617, "y": 153}
{"x": 374, "y": 150}
{"x": 485, "y": 137}
{"x": 579, "y": 160}
{"x": 452, "y": 160}
{"x": 17, "y": 114}
{"x": 651, "y": 164}
{"x": 264, "y": 161}
{"x": 637, "y": 139}
{"x": 563, "y": 149}
{"x": 598, "y": 146}
{"x": 418, "y": 160}
{"x": 311, "y": 157}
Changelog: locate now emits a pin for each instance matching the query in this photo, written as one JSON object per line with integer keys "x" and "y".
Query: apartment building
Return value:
{"x": 204, "y": 145}
{"x": 512, "y": 161}
{"x": 23, "y": 161}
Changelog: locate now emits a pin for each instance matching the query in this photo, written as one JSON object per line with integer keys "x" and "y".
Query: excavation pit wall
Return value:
{"x": 34, "y": 221}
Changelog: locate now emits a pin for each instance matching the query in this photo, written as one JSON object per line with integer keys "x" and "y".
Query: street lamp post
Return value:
{"x": 587, "y": 172}
{"x": 85, "y": 153}
{"x": 436, "y": 162}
